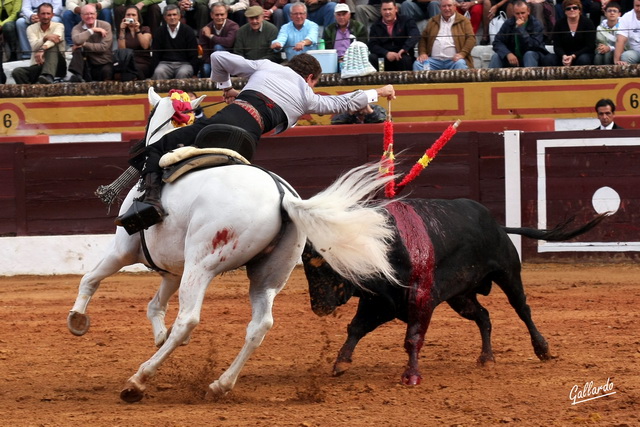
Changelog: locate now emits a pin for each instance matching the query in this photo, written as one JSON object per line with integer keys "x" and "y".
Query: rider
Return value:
{"x": 274, "y": 97}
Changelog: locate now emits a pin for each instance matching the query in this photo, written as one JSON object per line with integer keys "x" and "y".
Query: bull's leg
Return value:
{"x": 372, "y": 312}
{"x": 416, "y": 330}
{"x": 121, "y": 253}
{"x": 157, "y": 307}
{"x": 468, "y": 307}
{"x": 511, "y": 284}
{"x": 193, "y": 286}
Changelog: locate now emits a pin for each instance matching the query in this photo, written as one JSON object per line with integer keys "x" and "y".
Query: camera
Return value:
{"x": 129, "y": 20}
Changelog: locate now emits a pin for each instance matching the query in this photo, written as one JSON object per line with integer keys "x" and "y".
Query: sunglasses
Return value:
{"x": 572, "y": 8}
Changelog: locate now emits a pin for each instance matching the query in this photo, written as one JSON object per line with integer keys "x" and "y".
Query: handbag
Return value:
{"x": 496, "y": 24}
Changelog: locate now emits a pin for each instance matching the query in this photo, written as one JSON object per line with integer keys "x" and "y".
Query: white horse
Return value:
{"x": 223, "y": 218}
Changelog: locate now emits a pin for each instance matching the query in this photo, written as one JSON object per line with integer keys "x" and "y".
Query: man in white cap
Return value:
{"x": 341, "y": 33}
{"x": 253, "y": 39}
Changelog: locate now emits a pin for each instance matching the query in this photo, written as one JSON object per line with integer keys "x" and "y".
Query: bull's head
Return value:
{"x": 327, "y": 289}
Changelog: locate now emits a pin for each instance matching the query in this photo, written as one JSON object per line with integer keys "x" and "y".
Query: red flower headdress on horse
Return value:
{"x": 184, "y": 114}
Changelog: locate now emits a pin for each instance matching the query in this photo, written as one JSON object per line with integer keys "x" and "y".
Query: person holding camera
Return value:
{"x": 132, "y": 59}
{"x": 71, "y": 16}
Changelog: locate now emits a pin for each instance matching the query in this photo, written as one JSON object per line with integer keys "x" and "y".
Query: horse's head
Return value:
{"x": 169, "y": 113}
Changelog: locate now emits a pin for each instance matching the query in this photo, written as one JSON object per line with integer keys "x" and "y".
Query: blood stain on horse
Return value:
{"x": 221, "y": 238}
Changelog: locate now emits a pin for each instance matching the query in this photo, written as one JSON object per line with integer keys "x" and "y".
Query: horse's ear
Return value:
{"x": 154, "y": 98}
{"x": 196, "y": 102}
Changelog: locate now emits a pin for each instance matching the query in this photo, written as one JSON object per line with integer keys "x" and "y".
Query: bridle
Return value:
{"x": 163, "y": 124}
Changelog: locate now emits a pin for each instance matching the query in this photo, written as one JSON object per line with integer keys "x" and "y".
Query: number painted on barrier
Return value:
{"x": 9, "y": 119}
{"x": 633, "y": 100}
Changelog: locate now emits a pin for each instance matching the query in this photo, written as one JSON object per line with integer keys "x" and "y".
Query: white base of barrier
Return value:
{"x": 45, "y": 255}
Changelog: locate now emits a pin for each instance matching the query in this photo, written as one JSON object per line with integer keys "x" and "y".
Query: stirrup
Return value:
{"x": 140, "y": 216}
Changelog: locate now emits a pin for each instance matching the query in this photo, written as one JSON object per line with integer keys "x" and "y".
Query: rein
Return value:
{"x": 170, "y": 118}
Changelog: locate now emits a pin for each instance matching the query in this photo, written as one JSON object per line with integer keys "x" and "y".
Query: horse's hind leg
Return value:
{"x": 267, "y": 278}
{"x": 193, "y": 286}
{"x": 468, "y": 307}
{"x": 118, "y": 257}
{"x": 157, "y": 307}
{"x": 511, "y": 285}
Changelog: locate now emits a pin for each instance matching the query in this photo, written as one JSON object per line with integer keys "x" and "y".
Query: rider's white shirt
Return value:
{"x": 285, "y": 87}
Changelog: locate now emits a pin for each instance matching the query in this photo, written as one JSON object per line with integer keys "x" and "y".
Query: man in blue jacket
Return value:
{"x": 520, "y": 41}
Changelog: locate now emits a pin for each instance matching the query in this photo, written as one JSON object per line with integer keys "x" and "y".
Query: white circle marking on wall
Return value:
{"x": 606, "y": 199}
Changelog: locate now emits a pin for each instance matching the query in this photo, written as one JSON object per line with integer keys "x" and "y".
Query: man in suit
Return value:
{"x": 606, "y": 110}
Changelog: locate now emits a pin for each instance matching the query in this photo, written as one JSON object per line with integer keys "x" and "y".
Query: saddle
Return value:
{"x": 215, "y": 145}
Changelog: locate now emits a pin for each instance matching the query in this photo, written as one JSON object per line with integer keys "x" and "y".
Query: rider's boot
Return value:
{"x": 146, "y": 211}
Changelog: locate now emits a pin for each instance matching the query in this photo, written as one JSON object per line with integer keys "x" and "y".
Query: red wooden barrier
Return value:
{"x": 26, "y": 139}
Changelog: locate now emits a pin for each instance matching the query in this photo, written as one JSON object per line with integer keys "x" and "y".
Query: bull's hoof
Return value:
{"x": 411, "y": 379}
{"x": 132, "y": 392}
{"x": 78, "y": 323}
{"x": 546, "y": 356}
{"x": 340, "y": 368}
{"x": 485, "y": 358}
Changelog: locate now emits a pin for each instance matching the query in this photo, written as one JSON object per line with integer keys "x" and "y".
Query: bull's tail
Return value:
{"x": 346, "y": 227}
{"x": 559, "y": 233}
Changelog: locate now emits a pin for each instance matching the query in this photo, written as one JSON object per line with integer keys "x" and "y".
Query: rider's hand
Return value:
{"x": 387, "y": 92}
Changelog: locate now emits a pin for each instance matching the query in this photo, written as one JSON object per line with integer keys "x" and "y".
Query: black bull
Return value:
{"x": 443, "y": 250}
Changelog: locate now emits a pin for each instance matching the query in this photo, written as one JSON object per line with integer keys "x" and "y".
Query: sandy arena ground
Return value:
{"x": 588, "y": 313}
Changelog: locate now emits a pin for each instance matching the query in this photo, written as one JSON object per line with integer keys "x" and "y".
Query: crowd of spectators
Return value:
{"x": 133, "y": 40}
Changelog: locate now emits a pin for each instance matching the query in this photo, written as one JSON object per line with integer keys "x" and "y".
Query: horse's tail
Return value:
{"x": 559, "y": 233}
{"x": 346, "y": 227}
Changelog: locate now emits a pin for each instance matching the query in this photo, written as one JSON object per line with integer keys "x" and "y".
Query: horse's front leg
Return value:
{"x": 157, "y": 307}
{"x": 193, "y": 286}
{"x": 119, "y": 255}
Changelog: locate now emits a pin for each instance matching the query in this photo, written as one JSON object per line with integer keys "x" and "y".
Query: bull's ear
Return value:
{"x": 154, "y": 98}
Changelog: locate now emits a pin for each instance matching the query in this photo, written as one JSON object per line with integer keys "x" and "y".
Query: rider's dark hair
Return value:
{"x": 305, "y": 64}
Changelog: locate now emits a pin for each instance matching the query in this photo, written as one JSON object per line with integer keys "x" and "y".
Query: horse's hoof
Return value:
{"x": 132, "y": 392}
{"x": 215, "y": 390}
{"x": 340, "y": 368}
{"x": 130, "y": 395}
{"x": 160, "y": 339}
{"x": 78, "y": 323}
{"x": 411, "y": 379}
